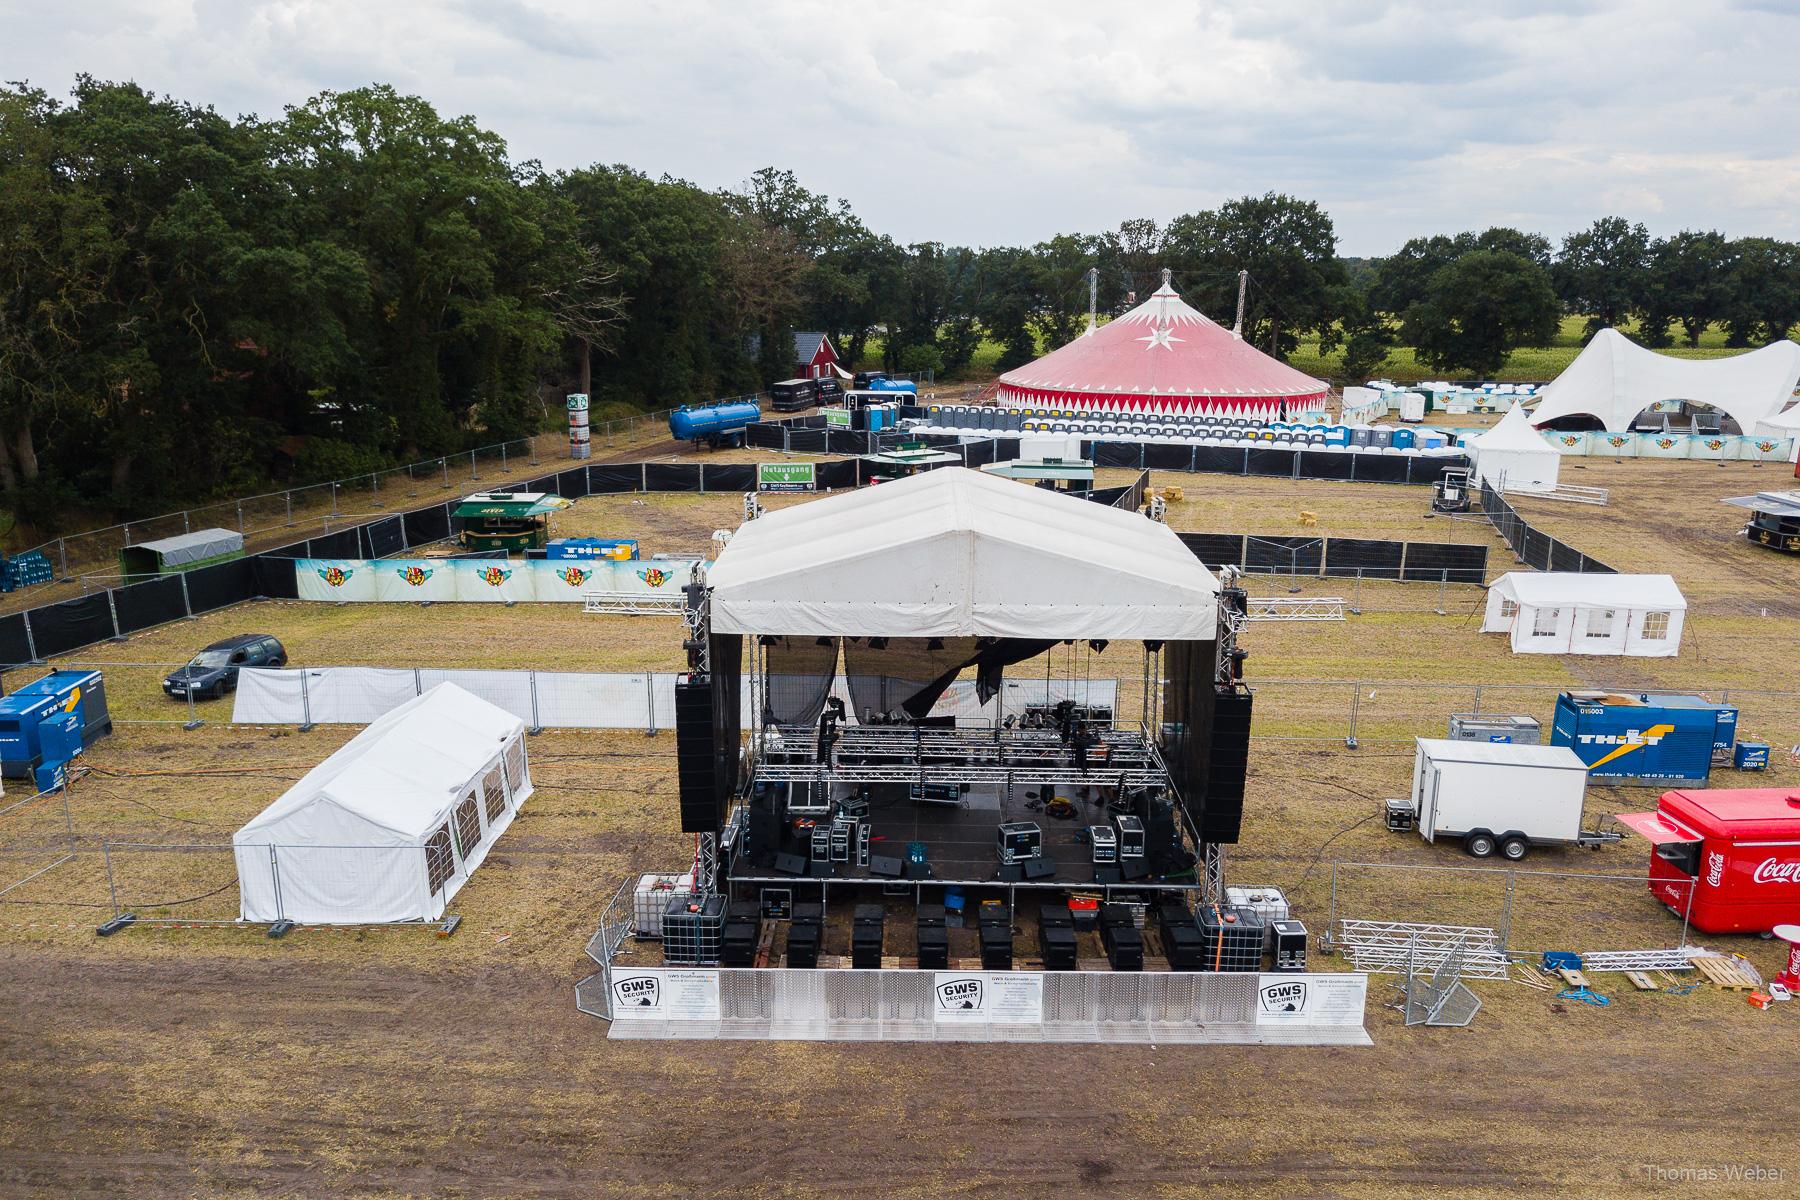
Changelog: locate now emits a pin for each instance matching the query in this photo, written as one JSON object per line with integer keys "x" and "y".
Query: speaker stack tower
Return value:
{"x": 701, "y": 807}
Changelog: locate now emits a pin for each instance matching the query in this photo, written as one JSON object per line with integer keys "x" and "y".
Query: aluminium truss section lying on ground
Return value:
{"x": 631, "y": 603}
{"x": 1639, "y": 960}
{"x": 1303, "y": 608}
{"x": 1394, "y": 947}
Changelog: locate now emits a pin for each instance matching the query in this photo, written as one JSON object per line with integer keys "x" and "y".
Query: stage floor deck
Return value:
{"x": 960, "y": 841}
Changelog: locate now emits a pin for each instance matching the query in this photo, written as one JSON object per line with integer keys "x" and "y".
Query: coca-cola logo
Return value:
{"x": 1771, "y": 870}
{"x": 1715, "y": 868}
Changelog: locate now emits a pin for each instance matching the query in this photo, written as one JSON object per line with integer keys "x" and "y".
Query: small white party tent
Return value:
{"x": 1565, "y": 612}
{"x": 392, "y": 824}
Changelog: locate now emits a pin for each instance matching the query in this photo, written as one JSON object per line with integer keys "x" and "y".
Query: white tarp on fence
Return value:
{"x": 462, "y": 580}
{"x": 571, "y": 699}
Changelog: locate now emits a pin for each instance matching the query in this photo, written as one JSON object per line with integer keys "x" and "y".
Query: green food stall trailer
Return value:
{"x": 509, "y": 521}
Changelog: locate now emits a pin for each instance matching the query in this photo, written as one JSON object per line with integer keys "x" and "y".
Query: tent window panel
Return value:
{"x": 1508, "y": 608}
{"x": 439, "y": 865}
{"x": 468, "y": 825}
{"x": 1543, "y": 622}
{"x": 515, "y": 764}
{"x": 1600, "y": 622}
{"x": 493, "y": 790}
{"x": 1656, "y": 626}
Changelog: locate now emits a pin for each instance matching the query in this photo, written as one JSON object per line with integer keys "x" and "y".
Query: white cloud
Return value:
{"x": 994, "y": 123}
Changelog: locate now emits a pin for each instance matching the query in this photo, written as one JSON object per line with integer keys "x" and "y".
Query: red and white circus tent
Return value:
{"x": 1164, "y": 358}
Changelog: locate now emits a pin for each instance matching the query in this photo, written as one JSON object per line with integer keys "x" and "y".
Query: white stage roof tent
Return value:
{"x": 1162, "y": 356}
{"x": 1515, "y": 455}
{"x": 1614, "y": 379}
{"x": 954, "y": 553}
{"x": 1565, "y": 612}
{"x": 392, "y": 824}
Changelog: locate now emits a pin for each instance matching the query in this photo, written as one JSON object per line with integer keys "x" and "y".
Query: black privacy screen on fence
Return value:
{"x": 60, "y": 628}
{"x": 1341, "y": 557}
{"x": 152, "y": 602}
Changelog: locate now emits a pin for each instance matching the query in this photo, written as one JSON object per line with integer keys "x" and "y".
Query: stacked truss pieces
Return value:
{"x": 1398, "y": 947}
{"x": 1638, "y": 960}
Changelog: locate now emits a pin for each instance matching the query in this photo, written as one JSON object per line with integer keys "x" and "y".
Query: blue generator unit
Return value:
{"x": 1649, "y": 738}
{"x": 49, "y": 721}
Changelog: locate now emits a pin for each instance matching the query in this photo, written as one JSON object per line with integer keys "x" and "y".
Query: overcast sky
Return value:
{"x": 998, "y": 123}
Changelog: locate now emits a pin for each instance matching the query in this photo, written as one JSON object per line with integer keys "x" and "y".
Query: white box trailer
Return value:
{"x": 1502, "y": 797}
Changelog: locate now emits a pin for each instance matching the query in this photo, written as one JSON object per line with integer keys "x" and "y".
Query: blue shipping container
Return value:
{"x": 1651, "y": 739}
{"x": 617, "y": 549}
{"x": 49, "y": 716}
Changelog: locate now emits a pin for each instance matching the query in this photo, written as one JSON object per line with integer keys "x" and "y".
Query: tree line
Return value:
{"x": 193, "y": 305}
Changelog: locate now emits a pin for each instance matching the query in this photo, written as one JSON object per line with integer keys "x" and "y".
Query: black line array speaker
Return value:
{"x": 694, "y": 757}
{"x": 765, "y": 834}
{"x": 1223, "y": 814}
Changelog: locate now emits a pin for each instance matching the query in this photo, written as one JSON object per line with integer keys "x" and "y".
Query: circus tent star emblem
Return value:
{"x": 1162, "y": 336}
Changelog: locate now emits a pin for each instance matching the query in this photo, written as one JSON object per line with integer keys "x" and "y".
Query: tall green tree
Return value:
{"x": 1602, "y": 270}
{"x": 1478, "y": 309}
{"x": 1288, "y": 246}
{"x": 1764, "y": 299}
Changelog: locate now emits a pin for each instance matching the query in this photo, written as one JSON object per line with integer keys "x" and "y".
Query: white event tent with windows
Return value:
{"x": 1565, "y": 612}
{"x": 392, "y": 825}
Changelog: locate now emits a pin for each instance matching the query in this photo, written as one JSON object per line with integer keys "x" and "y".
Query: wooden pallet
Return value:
{"x": 1572, "y": 977}
{"x": 1724, "y": 972}
{"x": 1641, "y": 981}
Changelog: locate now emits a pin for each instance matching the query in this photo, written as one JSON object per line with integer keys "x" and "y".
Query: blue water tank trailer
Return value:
{"x": 717, "y": 423}
{"x": 1648, "y": 738}
{"x": 893, "y": 385}
{"x": 50, "y": 720}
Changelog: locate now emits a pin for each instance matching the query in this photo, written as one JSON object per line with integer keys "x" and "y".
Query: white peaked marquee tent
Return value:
{"x": 1515, "y": 457}
{"x": 391, "y": 825}
{"x": 1614, "y": 379}
{"x": 1564, "y": 612}
{"x": 953, "y": 552}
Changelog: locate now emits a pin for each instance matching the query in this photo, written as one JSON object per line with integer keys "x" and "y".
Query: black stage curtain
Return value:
{"x": 799, "y": 671}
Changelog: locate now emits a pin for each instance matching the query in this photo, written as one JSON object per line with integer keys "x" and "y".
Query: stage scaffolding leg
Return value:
{"x": 1212, "y": 855}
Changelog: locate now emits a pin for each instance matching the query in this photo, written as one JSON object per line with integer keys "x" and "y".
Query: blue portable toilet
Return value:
{"x": 51, "y": 720}
{"x": 1652, "y": 739}
{"x": 1403, "y": 439}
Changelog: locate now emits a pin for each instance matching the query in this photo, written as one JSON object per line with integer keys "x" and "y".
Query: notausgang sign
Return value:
{"x": 785, "y": 477}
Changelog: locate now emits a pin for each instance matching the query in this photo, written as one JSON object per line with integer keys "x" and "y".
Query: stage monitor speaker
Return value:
{"x": 918, "y": 870}
{"x": 822, "y": 870}
{"x": 765, "y": 834}
{"x": 695, "y": 761}
{"x": 1133, "y": 869}
{"x": 1011, "y": 872}
{"x": 1039, "y": 868}
{"x": 1106, "y": 875}
{"x": 883, "y": 867}
{"x": 790, "y": 864}
{"x": 1223, "y": 813}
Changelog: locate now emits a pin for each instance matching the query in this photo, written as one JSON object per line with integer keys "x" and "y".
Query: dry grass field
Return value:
{"x": 213, "y": 1061}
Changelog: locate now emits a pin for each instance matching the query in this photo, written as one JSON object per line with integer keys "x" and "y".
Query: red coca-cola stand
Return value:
{"x": 1728, "y": 858}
